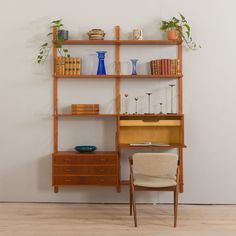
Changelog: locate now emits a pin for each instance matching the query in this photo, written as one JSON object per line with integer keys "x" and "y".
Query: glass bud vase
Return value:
{"x": 101, "y": 64}
{"x": 134, "y": 66}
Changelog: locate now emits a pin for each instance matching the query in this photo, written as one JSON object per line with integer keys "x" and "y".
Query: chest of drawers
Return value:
{"x": 98, "y": 168}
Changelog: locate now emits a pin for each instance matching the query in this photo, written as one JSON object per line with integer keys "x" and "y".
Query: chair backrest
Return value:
{"x": 155, "y": 164}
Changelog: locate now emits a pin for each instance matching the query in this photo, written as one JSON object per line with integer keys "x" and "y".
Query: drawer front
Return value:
{"x": 85, "y": 180}
{"x": 85, "y": 160}
{"x": 85, "y": 170}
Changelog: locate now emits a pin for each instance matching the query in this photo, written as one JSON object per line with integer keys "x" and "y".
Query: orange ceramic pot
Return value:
{"x": 173, "y": 34}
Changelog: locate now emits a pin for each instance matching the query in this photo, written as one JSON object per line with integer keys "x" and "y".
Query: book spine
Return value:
{"x": 159, "y": 67}
{"x": 154, "y": 67}
{"x": 58, "y": 62}
{"x": 78, "y": 66}
{"x": 66, "y": 66}
{"x": 74, "y": 66}
{"x": 151, "y": 67}
{"x": 71, "y": 65}
{"x": 178, "y": 72}
{"x": 162, "y": 66}
{"x": 168, "y": 66}
{"x": 172, "y": 67}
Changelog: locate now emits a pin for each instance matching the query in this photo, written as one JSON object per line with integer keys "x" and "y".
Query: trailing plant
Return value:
{"x": 183, "y": 28}
{"x": 46, "y": 47}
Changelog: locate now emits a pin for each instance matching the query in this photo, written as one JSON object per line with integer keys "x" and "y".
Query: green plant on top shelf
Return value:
{"x": 182, "y": 28}
{"x": 46, "y": 47}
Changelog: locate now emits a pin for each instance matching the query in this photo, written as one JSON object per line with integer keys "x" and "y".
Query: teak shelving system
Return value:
{"x": 103, "y": 168}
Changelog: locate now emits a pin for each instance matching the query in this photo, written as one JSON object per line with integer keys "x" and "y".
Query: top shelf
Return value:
{"x": 121, "y": 42}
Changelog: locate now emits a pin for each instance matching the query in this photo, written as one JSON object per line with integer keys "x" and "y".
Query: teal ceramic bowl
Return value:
{"x": 85, "y": 149}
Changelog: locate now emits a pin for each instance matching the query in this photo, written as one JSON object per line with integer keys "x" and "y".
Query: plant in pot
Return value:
{"x": 46, "y": 47}
{"x": 179, "y": 29}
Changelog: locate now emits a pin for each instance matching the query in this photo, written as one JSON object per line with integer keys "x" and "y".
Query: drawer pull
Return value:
{"x": 102, "y": 170}
{"x": 103, "y": 159}
{"x": 67, "y": 160}
{"x": 68, "y": 170}
{"x": 68, "y": 180}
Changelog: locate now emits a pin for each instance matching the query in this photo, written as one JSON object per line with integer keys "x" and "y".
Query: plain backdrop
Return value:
{"x": 26, "y": 127}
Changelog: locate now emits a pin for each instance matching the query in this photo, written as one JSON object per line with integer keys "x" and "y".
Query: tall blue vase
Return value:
{"x": 101, "y": 64}
{"x": 134, "y": 66}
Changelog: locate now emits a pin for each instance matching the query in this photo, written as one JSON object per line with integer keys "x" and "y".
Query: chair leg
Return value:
{"x": 130, "y": 199}
{"x": 134, "y": 205}
{"x": 176, "y": 192}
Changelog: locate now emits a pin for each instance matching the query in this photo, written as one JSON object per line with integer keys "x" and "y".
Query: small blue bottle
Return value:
{"x": 101, "y": 64}
{"x": 134, "y": 66}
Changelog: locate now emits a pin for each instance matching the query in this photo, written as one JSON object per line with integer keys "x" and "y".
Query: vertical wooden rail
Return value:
{"x": 55, "y": 105}
{"x": 117, "y": 31}
{"x": 180, "y": 91}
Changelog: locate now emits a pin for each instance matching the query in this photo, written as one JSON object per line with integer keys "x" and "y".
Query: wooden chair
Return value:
{"x": 153, "y": 172}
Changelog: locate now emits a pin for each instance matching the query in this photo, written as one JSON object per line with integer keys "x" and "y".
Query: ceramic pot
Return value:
{"x": 137, "y": 34}
{"x": 63, "y": 34}
{"x": 173, "y": 34}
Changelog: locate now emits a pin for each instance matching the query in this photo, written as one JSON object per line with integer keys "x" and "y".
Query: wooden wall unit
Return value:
{"x": 103, "y": 168}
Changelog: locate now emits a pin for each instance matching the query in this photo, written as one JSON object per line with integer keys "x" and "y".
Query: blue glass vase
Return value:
{"x": 134, "y": 66}
{"x": 101, "y": 64}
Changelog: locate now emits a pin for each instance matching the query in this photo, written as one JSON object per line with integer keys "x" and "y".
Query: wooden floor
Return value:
{"x": 41, "y": 219}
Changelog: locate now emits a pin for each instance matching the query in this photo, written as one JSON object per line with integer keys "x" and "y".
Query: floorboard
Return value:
{"x": 44, "y": 219}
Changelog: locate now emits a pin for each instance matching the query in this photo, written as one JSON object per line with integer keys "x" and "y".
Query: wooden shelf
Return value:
{"x": 127, "y": 146}
{"x": 149, "y": 76}
{"x": 120, "y": 42}
{"x": 161, "y": 116}
{"x": 98, "y": 153}
{"x": 86, "y": 76}
{"x": 88, "y": 42}
{"x": 129, "y": 116}
{"x": 85, "y": 115}
{"x": 118, "y": 76}
{"x": 148, "y": 42}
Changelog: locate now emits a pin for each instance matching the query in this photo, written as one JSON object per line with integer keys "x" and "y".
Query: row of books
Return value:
{"x": 68, "y": 66}
{"x": 165, "y": 67}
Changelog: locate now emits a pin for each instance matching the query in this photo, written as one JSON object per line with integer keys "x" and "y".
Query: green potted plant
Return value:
{"x": 46, "y": 47}
{"x": 179, "y": 29}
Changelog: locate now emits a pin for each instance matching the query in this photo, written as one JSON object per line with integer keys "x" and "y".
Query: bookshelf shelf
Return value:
{"x": 118, "y": 76}
{"x": 86, "y": 76}
{"x": 171, "y": 146}
{"x": 120, "y": 42}
{"x": 151, "y": 116}
{"x": 86, "y": 115}
{"x": 130, "y": 128}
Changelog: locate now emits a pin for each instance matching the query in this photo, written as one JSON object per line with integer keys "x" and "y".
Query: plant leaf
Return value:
{"x": 44, "y": 45}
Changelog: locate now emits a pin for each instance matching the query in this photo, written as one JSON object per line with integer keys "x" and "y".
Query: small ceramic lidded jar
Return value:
{"x": 137, "y": 34}
{"x": 96, "y": 34}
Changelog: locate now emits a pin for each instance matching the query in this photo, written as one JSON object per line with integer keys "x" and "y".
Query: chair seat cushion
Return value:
{"x": 153, "y": 182}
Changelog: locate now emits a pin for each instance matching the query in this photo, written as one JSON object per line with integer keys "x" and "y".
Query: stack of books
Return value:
{"x": 68, "y": 66}
{"x": 165, "y": 67}
{"x": 85, "y": 109}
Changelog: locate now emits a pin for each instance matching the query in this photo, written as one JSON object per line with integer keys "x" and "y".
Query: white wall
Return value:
{"x": 26, "y": 95}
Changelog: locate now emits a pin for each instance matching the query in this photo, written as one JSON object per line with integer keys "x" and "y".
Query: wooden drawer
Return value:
{"x": 85, "y": 170}
{"x": 63, "y": 159}
{"x": 85, "y": 160}
{"x": 85, "y": 180}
